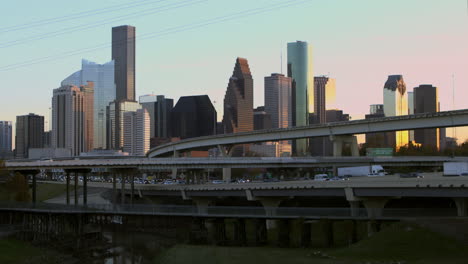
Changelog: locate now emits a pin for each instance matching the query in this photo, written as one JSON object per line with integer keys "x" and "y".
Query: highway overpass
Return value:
{"x": 409, "y": 122}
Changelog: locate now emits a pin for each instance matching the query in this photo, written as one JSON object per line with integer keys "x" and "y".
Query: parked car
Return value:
{"x": 321, "y": 177}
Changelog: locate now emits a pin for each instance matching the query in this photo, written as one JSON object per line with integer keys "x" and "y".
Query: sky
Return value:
{"x": 357, "y": 42}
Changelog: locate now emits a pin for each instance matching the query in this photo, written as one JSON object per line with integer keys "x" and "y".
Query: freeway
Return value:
{"x": 409, "y": 122}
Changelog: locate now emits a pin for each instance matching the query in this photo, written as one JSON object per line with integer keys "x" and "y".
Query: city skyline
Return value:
{"x": 413, "y": 66}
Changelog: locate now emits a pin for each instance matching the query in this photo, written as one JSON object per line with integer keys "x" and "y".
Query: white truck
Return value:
{"x": 455, "y": 168}
{"x": 372, "y": 170}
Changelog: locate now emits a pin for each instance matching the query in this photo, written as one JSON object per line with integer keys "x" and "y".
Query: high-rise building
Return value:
{"x": 426, "y": 100}
{"x": 324, "y": 97}
{"x": 411, "y": 112}
{"x": 300, "y": 70}
{"x": 163, "y": 116}
{"x": 262, "y": 120}
{"x": 193, "y": 116}
{"x": 136, "y": 132}
{"x": 117, "y": 109}
{"x": 379, "y": 139}
{"x": 29, "y": 134}
{"x": 278, "y": 100}
{"x": 72, "y": 118}
{"x": 238, "y": 103}
{"x": 5, "y": 137}
{"x": 102, "y": 75}
{"x": 396, "y": 104}
{"x": 123, "y": 54}
{"x": 148, "y": 102}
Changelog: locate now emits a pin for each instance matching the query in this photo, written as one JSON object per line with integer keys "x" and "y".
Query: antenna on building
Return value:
{"x": 281, "y": 61}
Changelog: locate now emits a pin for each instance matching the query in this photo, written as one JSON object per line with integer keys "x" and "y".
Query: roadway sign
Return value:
{"x": 379, "y": 152}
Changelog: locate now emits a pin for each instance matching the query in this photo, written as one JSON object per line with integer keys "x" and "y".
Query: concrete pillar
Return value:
{"x": 270, "y": 204}
{"x": 338, "y": 145}
{"x": 122, "y": 191}
{"x": 68, "y": 186}
{"x": 225, "y": 152}
{"x": 76, "y": 188}
{"x": 375, "y": 206}
{"x": 202, "y": 205}
{"x": 85, "y": 188}
{"x": 132, "y": 187}
{"x": 337, "y": 148}
{"x": 227, "y": 175}
{"x": 462, "y": 206}
{"x": 114, "y": 188}
{"x": 34, "y": 188}
{"x": 354, "y": 205}
{"x": 174, "y": 170}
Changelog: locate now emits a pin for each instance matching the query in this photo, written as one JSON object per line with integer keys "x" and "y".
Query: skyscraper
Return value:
{"x": 324, "y": 97}
{"x": 396, "y": 104}
{"x": 117, "y": 109}
{"x": 163, "y": 123}
{"x": 278, "y": 100}
{"x": 148, "y": 102}
{"x": 238, "y": 103}
{"x": 123, "y": 54}
{"x": 29, "y": 134}
{"x": 411, "y": 112}
{"x": 426, "y": 100}
{"x": 238, "y": 100}
{"x": 301, "y": 71}
{"x": 72, "y": 118}
{"x": 136, "y": 132}
{"x": 102, "y": 75}
{"x": 5, "y": 137}
{"x": 262, "y": 120}
{"x": 193, "y": 116}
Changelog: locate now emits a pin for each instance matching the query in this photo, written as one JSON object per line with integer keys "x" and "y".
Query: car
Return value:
{"x": 169, "y": 181}
{"x": 411, "y": 175}
{"x": 217, "y": 182}
{"x": 321, "y": 177}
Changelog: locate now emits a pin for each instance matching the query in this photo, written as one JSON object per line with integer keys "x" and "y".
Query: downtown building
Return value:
{"x": 102, "y": 75}
{"x": 29, "y": 134}
{"x": 117, "y": 110}
{"x": 238, "y": 103}
{"x": 193, "y": 116}
{"x": 426, "y": 100}
{"x": 159, "y": 109}
{"x": 6, "y": 138}
{"x": 396, "y": 104}
{"x": 278, "y": 94}
{"x": 300, "y": 70}
{"x": 72, "y": 118}
{"x": 136, "y": 132}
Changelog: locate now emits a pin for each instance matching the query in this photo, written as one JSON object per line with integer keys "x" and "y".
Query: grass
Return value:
{"x": 406, "y": 242}
{"x": 14, "y": 251}
{"x": 44, "y": 191}
{"x": 398, "y": 242}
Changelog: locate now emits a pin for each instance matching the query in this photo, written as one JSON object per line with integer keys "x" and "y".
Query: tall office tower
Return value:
{"x": 136, "y": 132}
{"x": 123, "y": 54}
{"x": 411, "y": 112}
{"x": 163, "y": 117}
{"x": 324, "y": 97}
{"x": 193, "y": 116}
{"x": 378, "y": 139}
{"x": 148, "y": 102}
{"x": 262, "y": 120}
{"x": 5, "y": 137}
{"x": 238, "y": 103}
{"x": 72, "y": 118}
{"x": 29, "y": 134}
{"x": 117, "y": 109}
{"x": 426, "y": 100}
{"x": 102, "y": 75}
{"x": 278, "y": 100}
{"x": 301, "y": 71}
{"x": 396, "y": 104}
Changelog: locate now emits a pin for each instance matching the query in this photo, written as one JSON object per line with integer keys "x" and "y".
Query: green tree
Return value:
{"x": 18, "y": 186}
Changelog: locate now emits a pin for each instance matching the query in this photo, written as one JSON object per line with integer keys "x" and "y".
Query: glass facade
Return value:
{"x": 116, "y": 121}
{"x": 300, "y": 70}
{"x": 102, "y": 75}
{"x": 396, "y": 104}
{"x": 123, "y": 53}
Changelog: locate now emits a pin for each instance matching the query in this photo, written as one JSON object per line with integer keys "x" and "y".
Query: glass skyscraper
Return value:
{"x": 123, "y": 53}
{"x": 396, "y": 104}
{"x": 102, "y": 75}
{"x": 301, "y": 72}
{"x": 5, "y": 136}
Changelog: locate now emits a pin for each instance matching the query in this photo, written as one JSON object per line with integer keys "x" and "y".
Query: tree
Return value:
{"x": 18, "y": 186}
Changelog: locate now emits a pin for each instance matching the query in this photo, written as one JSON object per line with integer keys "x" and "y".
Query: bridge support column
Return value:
{"x": 132, "y": 188}
{"x": 174, "y": 170}
{"x": 202, "y": 205}
{"x": 34, "y": 190}
{"x": 85, "y": 188}
{"x": 338, "y": 145}
{"x": 462, "y": 206}
{"x": 114, "y": 188}
{"x": 76, "y": 187}
{"x": 122, "y": 189}
{"x": 225, "y": 151}
{"x": 354, "y": 205}
{"x": 68, "y": 186}
{"x": 375, "y": 206}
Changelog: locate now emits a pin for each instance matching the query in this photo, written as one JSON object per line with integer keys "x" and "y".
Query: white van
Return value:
{"x": 321, "y": 177}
